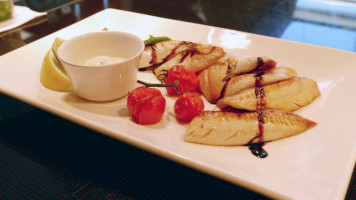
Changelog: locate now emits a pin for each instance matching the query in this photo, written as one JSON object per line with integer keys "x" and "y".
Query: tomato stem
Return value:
{"x": 175, "y": 85}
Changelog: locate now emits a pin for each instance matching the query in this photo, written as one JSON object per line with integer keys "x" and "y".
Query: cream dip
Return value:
{"x": 103, "y": 60}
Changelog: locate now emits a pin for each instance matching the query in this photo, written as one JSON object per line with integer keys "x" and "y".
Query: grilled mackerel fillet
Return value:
{"x": 241, "y": 82}
{"x": 212, "y": 80}
{"x": 196, "y": 59}
{"x": 251, "y": 63}
{"x": 162, "y": 51}
{"x": 288, "y": 95}
{"x": 230, "y": 128}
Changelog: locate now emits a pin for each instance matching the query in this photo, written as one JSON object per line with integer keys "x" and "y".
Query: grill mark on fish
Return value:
{"x": 154, "y": 54}
{"x": 192, "y": 52}
{"x": 226, "y": 79}
{"x": 231, "y": 136}
{"x": 173, "y": 52}
{"x": 207, "y": 133}
{"x": 297, "y": 104}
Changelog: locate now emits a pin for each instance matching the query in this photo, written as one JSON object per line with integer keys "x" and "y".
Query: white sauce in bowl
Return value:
{"x": 103, "y": 60}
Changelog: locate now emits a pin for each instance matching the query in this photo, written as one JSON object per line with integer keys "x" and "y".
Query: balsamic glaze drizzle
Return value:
{"x": 172, "y": 53}
{"x": 192, "y": 52}
{"x": 260, "y": 62}
{"x": 256, "y": 148}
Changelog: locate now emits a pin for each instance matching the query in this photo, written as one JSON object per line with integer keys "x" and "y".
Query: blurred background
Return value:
{"x": 297, "y": 20}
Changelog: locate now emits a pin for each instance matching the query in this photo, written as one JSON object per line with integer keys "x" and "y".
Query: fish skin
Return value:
{"x": 196, "y": 59}
{"x": 251, "y": 63}
{"x": 288, "y": 95}
{"x": 244, "y": 81}
{"x": 233, "y": 129}
{"x": 164, "y": 51}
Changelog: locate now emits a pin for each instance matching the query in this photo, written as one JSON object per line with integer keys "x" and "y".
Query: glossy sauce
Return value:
{"x": 256, "y": 148}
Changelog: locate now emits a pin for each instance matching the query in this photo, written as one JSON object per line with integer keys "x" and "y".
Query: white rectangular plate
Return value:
{"x": 316, "y": 164}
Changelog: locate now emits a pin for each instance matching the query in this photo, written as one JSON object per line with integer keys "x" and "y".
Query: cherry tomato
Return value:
{"x": 146, "y": 105}
{"x": 188, "y": 106}
{"x": 188, "y": 81}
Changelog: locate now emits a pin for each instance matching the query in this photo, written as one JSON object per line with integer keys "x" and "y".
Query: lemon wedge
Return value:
{"x": 56, "y": 44}
{"x": 53, "y": 76}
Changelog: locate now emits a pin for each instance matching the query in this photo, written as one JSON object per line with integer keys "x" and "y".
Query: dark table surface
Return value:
{"x": 51, "y": 161}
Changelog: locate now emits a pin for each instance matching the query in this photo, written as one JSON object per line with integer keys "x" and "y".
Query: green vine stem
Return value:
{"x": 175, "y": 85}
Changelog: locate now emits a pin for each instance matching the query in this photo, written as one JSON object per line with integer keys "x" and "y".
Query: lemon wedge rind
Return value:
{"x": 53, "y": 75}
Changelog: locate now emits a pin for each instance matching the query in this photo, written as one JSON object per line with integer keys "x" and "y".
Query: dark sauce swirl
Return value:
{"x": 257, "y": 150}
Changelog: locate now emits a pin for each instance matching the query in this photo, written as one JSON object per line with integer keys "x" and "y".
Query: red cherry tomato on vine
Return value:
{"x": 188, "y": 81}
{"x": 146, "y": 105}
{"x": 188, "y": 106}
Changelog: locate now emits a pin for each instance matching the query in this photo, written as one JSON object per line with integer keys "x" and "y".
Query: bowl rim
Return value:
{"x": 65, "y": 43}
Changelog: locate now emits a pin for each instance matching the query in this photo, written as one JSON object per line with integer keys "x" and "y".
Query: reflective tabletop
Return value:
{"x": 43, "y": 156}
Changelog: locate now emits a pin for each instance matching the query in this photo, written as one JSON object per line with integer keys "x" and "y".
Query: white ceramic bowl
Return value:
{"x": 105, "y": 82}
